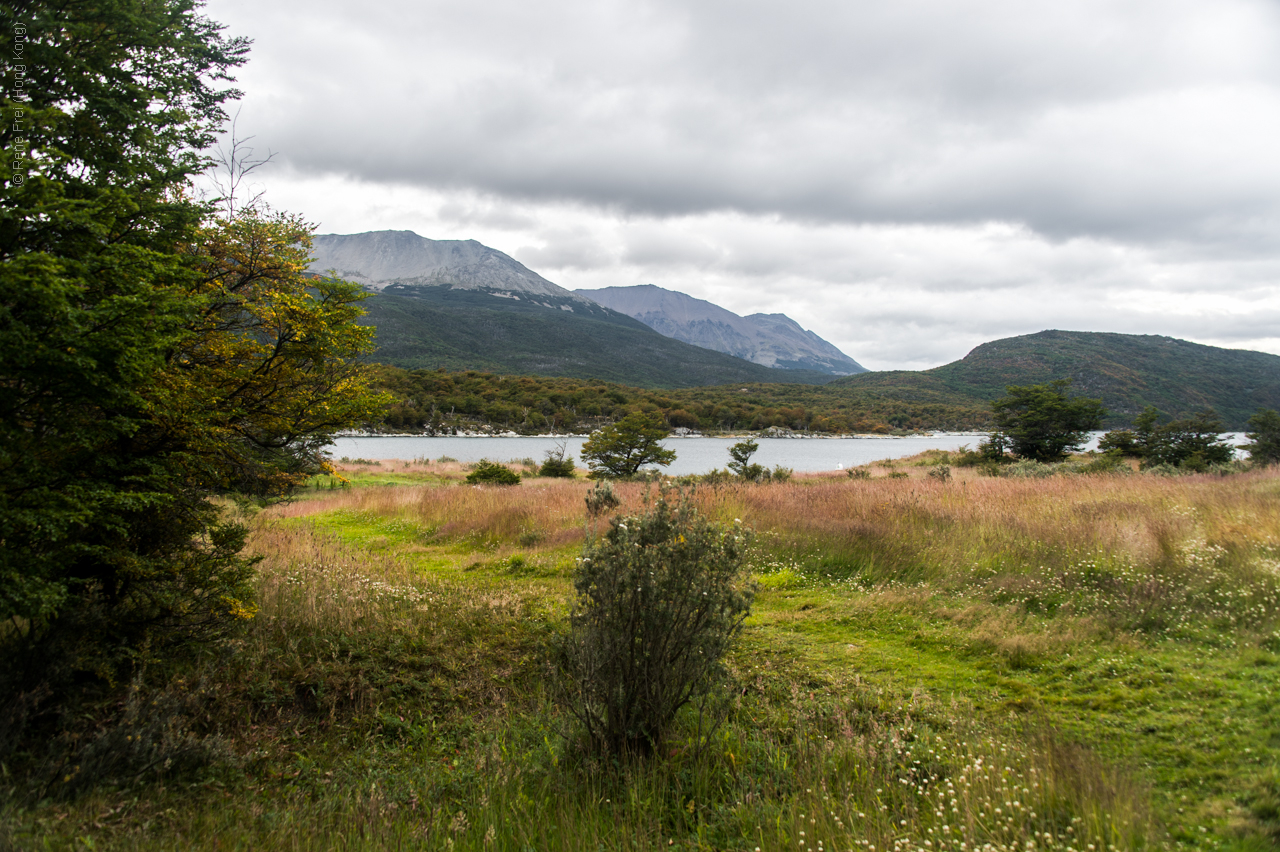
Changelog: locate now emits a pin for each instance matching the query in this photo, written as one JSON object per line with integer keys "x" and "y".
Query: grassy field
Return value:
{"x": 1072, "y": 662}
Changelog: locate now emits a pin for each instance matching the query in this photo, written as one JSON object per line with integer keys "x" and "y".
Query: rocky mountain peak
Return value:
{"x": 377, "y": 259}
{"x": 773, "y": 340}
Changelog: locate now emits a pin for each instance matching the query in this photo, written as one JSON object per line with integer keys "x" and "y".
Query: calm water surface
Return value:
{"x": 693, "y": 455}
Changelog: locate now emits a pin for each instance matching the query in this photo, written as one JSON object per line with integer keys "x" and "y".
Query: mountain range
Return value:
{"x": 774, "y": 340}
{"x": 459, "y": 304}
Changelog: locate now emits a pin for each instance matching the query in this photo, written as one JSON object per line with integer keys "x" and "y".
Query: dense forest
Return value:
{"x": 442, "y": 402}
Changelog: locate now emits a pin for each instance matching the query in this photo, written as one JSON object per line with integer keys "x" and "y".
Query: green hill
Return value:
{"x": 1126, "y": 371}
{"x": 429, "y": 327}
{"x": 437, "y": 327}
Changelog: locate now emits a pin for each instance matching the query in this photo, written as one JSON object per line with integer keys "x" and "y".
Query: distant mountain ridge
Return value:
{"x": 461, "y": 305}
{"x": 772, "y": 340}
{"x": 1126, "y": 371}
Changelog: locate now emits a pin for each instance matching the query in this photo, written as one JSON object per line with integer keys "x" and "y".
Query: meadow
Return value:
{"x": 1071, "y": 662}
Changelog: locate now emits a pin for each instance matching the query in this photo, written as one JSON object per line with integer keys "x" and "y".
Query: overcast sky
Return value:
{"x": 906, "y": 179}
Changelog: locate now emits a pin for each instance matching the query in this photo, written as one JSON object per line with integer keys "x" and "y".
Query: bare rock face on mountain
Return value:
{"x": 377, "y": 259}
{"x": 774, "y": 340}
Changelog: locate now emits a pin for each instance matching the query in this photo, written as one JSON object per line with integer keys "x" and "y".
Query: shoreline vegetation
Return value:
{"x": 1012, "y": 662}
{"x": 436, "y": 402}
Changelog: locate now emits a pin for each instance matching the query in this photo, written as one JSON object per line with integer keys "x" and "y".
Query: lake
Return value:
{"x": 693, "y": 454}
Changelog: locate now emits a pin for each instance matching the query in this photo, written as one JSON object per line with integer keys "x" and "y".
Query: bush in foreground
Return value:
{"x": 659, "y": 600}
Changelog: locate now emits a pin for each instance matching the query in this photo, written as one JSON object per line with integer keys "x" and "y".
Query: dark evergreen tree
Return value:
{"x": 152, "y": 355}
{"x": 1043, "y": 423}
{"x": 1264, "y": 437}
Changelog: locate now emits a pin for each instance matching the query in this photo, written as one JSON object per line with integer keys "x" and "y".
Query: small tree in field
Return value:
{"x": 659, "y": 600}
{"x": 1190, "y": 443}
{"x": 741, "y": 465}
{"x": 1042, "y": 423}
{"x": 620, "y": 449}
{"x": 1264, "y": 437}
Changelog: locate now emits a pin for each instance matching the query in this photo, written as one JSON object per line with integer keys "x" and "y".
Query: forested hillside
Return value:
{"x": 441, "y": 401}
{"x": 1127, "y": 372}
{"x": 470, "y": 329}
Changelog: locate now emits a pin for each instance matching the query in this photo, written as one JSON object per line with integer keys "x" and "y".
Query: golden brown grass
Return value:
{"x": 890, "y": 529}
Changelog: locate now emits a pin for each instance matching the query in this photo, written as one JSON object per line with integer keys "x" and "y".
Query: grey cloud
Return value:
{"x": 566, "y": 249}
{"x": 667, "y": 247}
{"x": 493, "y": 215}
{"x": 908, "y": 179}
{"x": 1144, "y": 120}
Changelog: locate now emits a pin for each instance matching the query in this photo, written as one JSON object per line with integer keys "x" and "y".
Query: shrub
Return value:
{"x": 492, "y": 473}
{"x": 965, "y": 457}
{"x": 715, "y": 476}
{"x": 1191, "y": 443}
{"x": 941, "y": 472}
{"x": 1125, "y": 442}
{"x": 659, "y": 600}
{"x": 990, "y": 467}
{"x": 994, "y": 449}
{"x": 601, "y": 499}
{"x": 929, "y": 458}
{"x": 557, "y": 463}
{"x": 1112, "y": 461}
{"x": 1031, "y": 469}
{"x": 858, "y": 473}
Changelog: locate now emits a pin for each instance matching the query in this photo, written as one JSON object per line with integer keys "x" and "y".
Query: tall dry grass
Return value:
{"x": 1145, "y": 552}
{"x": 343, "y": 629}
{"x": 1144, "y": 519}
{"x": 1151, "y": 552}
{"x": 545, "y": 514}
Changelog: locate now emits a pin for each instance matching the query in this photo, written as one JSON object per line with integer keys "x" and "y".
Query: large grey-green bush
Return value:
{"x": 660, "y": 597}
